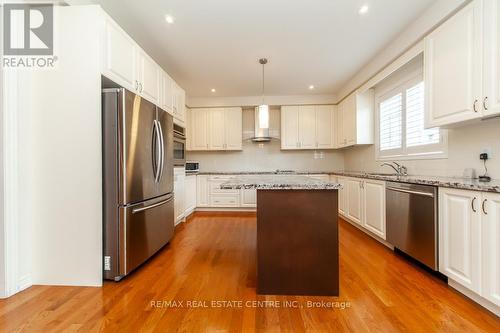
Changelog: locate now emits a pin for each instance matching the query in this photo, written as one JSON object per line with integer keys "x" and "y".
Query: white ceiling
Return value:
{"x": 216, "y": 43}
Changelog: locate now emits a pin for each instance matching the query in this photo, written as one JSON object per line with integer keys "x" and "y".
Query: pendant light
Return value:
{"x": 263, "y": 108}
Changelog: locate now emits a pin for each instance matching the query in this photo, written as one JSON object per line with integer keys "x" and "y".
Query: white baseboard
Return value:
{"x": 475, "y": 297}
{"x": 226, "y": 209}
{"x": 383, "y": 241}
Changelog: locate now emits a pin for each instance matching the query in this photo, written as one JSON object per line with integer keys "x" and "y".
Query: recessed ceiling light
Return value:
{"x": 169, "y": 19}
{"x": 363, "y": 10}
{"x": 213, "y": 90}
{"x": 311, "y": 87}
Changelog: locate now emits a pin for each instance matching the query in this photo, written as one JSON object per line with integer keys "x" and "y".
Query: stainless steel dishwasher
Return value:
{"x": 411, "y": 212}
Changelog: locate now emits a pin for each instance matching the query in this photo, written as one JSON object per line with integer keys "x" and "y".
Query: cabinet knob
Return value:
{"x": 472, "y": 205}
{"x": 474, "y": 106}
{"x": 136, "y": 85}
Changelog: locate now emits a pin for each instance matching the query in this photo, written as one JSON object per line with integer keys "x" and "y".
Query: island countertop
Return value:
{"x": 278, "y": 182}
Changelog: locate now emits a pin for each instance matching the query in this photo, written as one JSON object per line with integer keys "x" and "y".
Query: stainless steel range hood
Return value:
{"x": 261, "y": 133}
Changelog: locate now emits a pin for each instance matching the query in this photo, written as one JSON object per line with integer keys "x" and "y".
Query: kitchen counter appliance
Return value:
{"x": 138, "y": 181}
{"x": 412, "y": 217}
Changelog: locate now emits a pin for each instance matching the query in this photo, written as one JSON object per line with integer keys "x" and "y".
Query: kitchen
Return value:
{"x": 256, "y": 170}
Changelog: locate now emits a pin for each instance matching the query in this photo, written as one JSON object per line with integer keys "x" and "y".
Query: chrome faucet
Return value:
{"x": 401, "y": 170}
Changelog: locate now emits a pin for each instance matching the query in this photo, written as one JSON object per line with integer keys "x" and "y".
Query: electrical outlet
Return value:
{"x": 483, "y": 156}
{"x": 487, "y": 150}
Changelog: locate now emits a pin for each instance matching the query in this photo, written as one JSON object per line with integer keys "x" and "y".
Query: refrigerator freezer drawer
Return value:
{"x": 144, "y": 229}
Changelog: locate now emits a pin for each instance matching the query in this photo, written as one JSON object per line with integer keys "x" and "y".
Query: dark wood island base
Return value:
{"x": 297, "y": 242}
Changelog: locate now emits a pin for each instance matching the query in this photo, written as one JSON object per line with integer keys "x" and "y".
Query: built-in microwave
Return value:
{"x": 192, "y": 167}
{"x": 179, "y": 145}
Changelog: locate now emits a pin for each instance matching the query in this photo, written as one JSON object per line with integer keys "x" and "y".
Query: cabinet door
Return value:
{"x": 166, "y": 93}
{"x": 459, "y": 236}
{"x": 190, "y": 195}
{"x": 119, "y": 62}
{"x": 341, "y": 142}
{"x": 491, "y": 246}
{"x": 233, "y": 129}
{"x": 342, "y": 196}
{"x": 307, "y": 127}
{"x": 199, "y": 129}
{"x": 324, "y": 127}
{"x": 216, "y": 129}
{"x": 181, "y": 105}
{"x": 249, "y": 197}
{"x": 491, "y": 95}
{"x": 202, "y": 191}
{"x": 179, "y": 193}
{"x": 349, "y": 120}
{"x": 453, "y": 68}
{"x": 289, "y": 127}
{"x": 354, "y": 201}
{"x": 374, "y": 207}
{"x": 149, "y": 77}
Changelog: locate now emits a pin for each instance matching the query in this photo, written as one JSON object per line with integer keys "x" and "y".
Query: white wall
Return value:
{"x": 66, "y": 188}
{"x": 267, "y": 156}
{"x": 464, "y": 144}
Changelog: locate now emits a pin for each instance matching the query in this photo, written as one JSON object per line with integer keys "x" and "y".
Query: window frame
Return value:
{"x": 422, "y": 152}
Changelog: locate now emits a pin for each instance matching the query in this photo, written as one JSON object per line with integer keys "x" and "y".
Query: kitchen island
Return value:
{"x": 297, "y": 234}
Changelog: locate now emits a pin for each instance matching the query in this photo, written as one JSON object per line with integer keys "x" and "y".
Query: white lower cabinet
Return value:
{"x": 355, "y": 200}
{"x": 190, "y": 197}
{"x": 179, "y": 194}
{"x": 374, "y": 207}
{"x": 362, "y": 201}
{"x": 342, "y": 196}
{"x": 469, "y": 238}
{"x": 202, "y": 191}
{"x": 491, "y": 247}
{"x": 249, "y": 197}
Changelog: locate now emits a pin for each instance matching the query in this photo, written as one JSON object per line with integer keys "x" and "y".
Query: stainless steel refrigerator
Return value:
{"x": 138, "y": 181}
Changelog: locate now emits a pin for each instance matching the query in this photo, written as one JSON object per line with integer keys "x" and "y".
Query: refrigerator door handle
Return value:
{"x": 156, "y": 151}
{"x": 162, "y": 149}
{"x": 161, "y": 203}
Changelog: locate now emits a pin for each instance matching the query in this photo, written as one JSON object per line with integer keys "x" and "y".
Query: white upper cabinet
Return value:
{"x": 216, "y": 132}
{"x": 233, "y": 120}
{"x": 166, "y": 92}
{"x": 290, "y": 127}
{"x": 126, "y": 64}
{"x": 462, "y": 66}
{"x": 453, "y": 68}
{"x": 325, "y": 125}
{"x": 148, "y": 76}
{"x": 354, "y": 125}
{"x": 459, "y": 237}
{"x": 179, "y": 104}
{"x": 198, "y": 129}
{"x": 215, "y": 129}
{"x": 491, "y": 63}
{"x": 308, "y": 127}
{"x": 119, "y": 62}
{"x": 490, "y": 207}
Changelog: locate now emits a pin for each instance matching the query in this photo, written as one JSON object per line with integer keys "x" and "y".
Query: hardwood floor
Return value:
{"x": 212, "y": 258}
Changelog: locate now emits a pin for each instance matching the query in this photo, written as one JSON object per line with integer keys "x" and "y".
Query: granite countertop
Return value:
{"x": 449, "y": 182}
{"x": 278, "y": 182}
{"x": 231, "y": 173}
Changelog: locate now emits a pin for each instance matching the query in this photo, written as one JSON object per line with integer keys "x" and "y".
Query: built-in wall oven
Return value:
{"x": 179, "y": 145}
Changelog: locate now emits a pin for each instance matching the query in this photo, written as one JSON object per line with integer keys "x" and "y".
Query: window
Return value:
{"x": 401, "y": 132}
